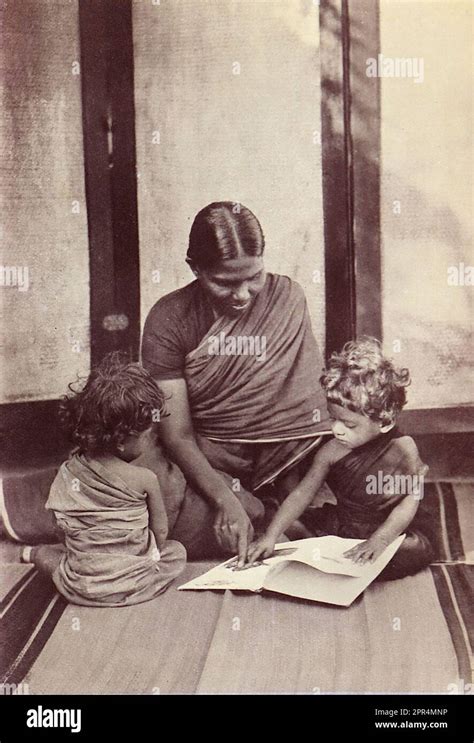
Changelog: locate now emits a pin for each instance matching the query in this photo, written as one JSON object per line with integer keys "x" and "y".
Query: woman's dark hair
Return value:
{"x": 224, "y": 230}
{"x": 119, "y": 398}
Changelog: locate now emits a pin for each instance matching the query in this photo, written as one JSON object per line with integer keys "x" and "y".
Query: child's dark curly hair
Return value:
{"x": 361, "y": 379}
{"x": 119, "y": 398}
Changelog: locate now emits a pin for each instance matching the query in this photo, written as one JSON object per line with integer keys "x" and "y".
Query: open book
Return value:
{"x": 313, "y": 569}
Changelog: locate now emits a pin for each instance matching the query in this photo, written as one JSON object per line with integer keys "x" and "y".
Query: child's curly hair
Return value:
{"x": 361, "y": 379}
{"x": 119, "y": 398}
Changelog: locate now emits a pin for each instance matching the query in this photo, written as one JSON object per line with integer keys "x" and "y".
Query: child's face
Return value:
{"x": 353, "y": 429}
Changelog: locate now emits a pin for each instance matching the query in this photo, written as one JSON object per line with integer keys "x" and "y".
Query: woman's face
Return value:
{"x": 233, "y": 284}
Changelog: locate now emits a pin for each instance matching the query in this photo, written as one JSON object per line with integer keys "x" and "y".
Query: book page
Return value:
{"x": 227, "y": 576}
{"x": 323, "y": 554}
{"x": 326, "y": 554}
{"x": 302, "y": 581}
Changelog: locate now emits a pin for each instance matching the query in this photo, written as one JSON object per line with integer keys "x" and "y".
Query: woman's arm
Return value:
{"x": 235, "y": 529}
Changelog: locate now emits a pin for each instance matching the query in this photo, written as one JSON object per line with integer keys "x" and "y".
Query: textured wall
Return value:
{"x": 45, "y": 339}
{"x": 245, "y": 137}
{"x": 427, "y": 173}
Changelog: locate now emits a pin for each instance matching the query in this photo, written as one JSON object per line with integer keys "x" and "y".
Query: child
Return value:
{"x": 374, "y": 472}
{"x": 115, "y": 525}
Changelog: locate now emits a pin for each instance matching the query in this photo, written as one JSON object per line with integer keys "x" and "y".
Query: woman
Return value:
{"x": 236, "y": 357}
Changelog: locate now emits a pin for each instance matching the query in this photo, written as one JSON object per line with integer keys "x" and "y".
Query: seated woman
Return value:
{"x": 236, "y": 358}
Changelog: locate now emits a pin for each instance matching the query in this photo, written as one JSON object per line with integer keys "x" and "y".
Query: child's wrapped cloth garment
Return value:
{"x": 368, "y": 483}
{"x": 111, "y": 554}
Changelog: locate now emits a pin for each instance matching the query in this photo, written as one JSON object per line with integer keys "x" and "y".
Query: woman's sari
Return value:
{"x": 256, "y": 405}
{"x": 253, "y": 380}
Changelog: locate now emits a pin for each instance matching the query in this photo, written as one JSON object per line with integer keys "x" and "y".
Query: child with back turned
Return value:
{"x": 111, "y": 512}
{"x": 374, "y": 472}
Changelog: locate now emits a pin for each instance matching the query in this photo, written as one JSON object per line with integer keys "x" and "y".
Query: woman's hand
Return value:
{"x": 367, "y": 551}
{"x": 233, "y": 528}
{"x": 263, "y": 547}
{"x": 232, "y": 525}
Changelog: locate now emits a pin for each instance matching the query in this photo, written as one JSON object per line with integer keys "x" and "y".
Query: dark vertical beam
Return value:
{"x": 337, "y": 173}
{"x": 110, "y": 174}
{"x": 366, "y": 162}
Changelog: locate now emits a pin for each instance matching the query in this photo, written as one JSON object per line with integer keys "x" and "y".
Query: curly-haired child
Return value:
{"x": 374, "y": 472}
{"x": 115, "y": 550}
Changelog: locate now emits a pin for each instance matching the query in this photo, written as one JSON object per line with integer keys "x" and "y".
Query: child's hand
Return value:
{"x": 261, "y": 548}
{"x": 161, "y": 535}
{"x": 367, "y": 551}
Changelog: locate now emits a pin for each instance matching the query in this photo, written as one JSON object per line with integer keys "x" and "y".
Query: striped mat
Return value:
{"x": 410, "y": 635}
{"x": 452, "y": 507}
{"x": 455, "y": 588}
{"x": 30, "y": 608}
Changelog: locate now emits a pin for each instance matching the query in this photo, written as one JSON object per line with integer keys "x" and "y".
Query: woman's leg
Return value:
{"x": 195, "y": 525}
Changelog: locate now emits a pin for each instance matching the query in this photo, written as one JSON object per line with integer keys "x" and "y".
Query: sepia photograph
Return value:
{"x": 237, "y": 399}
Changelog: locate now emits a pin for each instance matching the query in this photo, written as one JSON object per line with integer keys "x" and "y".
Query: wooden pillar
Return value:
{"x": 110, "y": 173}
{"x": 350, "y": 113}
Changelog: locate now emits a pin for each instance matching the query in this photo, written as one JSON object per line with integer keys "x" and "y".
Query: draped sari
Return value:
{"x": 255, "y": 401}
{"x": 253, "y": 379}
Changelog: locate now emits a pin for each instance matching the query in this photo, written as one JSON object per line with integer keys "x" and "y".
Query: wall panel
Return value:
{"x": 227, "y": 96}
{"x": 46, "y": 326}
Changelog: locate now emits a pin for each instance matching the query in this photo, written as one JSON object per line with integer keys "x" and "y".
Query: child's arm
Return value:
{"x": 297, "y": 501}
{"x": 396, "y": 523}
{"x": 156, "y": 508}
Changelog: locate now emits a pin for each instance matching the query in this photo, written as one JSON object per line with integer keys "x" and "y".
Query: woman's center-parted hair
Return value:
{"x": 118, "y": 399}
{"x": 221, "y": 231}
{"x": 363, "y": 380}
